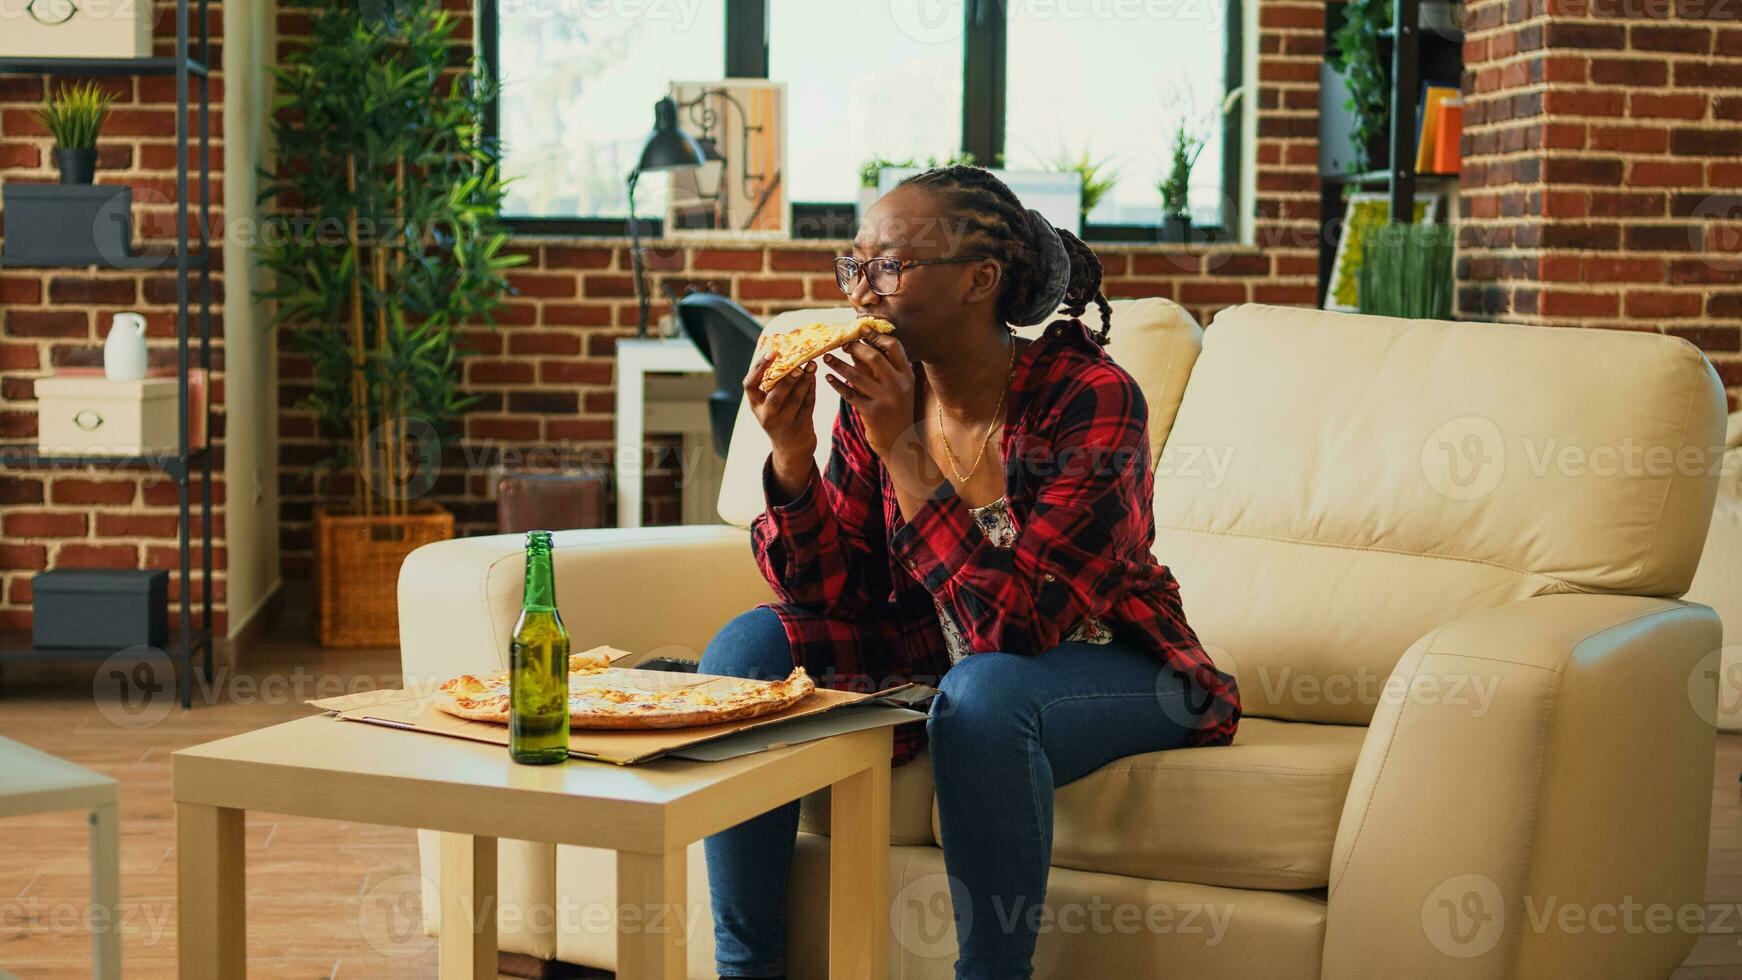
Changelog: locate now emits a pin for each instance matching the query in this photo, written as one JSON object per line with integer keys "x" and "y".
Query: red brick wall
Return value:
{"x": 1602, "y": 143}
{"x": 545, "y": 375}
{"x": 50, "y": 318}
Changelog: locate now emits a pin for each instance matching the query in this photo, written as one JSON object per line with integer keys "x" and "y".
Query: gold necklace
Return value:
{"x": 985, "y": 440}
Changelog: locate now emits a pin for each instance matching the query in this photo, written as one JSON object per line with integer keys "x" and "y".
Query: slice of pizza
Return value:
{"x": 486, "y": 698}
{"x": 793, "y": 348}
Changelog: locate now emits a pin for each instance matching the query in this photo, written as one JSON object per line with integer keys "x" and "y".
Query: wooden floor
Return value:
{"x": 332, "y": 900}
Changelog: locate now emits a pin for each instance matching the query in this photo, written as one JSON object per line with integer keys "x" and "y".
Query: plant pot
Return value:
{"x": 357, "y": 563}
{"x": 76, "y": 166}
{"x": 1176, "y": 228}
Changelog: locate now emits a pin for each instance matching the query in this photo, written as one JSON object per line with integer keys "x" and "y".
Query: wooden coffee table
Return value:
{"x": 473, "y": 794}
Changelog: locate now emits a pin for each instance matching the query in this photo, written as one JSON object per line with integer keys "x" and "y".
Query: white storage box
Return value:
{"x": 82, "y": 415}
{"x": 87, "y": 29}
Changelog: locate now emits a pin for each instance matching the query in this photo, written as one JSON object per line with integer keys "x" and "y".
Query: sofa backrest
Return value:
{"x": 1154, "y": 339}
{"x": 1335, "y": 486}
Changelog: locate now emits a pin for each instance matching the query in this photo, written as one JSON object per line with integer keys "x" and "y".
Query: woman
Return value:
{"x": 984, "y": 525}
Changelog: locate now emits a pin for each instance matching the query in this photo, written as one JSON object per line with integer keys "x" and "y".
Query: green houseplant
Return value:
{"x": 1098, "y": 179}
{"x": 74, "y": 116}
{"x": 391, "y": 245}
{"x": 1358, "y": 60}
{"x": 1176, "y": 186}
{"x": 1406, "y": 271}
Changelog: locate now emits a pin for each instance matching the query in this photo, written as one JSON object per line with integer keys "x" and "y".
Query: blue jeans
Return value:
{"x": 1004, "y": 732}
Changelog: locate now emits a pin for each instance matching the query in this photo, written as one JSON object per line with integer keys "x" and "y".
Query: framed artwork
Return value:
{"x": 742, "y": 189}
{"x": 1365, "y": 211}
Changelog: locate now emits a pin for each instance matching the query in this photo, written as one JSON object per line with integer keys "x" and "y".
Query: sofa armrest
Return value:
{"x": 1550, "y": 754}
{"x": 651, "y": 591}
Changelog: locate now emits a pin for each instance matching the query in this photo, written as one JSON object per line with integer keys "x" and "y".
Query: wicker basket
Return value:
{"x": 357, "y": 562}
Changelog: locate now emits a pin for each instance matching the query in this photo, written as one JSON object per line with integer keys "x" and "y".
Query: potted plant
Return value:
{"x": 1097, "y": 179}
{"x": 394, "y": 245}
{"x": 74, "y": 116}
{"x": 869, "y": 170}
{"x": 1406, "y": 271}
{"x": 1176, "y": 216}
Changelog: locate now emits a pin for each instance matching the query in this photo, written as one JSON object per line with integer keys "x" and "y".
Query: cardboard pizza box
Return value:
{"x": 823, "y": 713}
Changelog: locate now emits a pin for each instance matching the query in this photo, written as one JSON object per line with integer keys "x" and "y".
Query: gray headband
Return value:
{"x": 1054, "y": 269}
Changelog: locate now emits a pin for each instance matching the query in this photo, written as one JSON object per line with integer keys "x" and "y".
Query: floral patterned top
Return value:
{"x": 994, "y": 520}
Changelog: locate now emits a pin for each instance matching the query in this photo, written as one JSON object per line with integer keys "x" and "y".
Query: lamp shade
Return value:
{"x": 668, "y": 147}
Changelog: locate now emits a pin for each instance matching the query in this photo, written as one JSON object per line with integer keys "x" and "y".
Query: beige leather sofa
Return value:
{"x": 1473, "y": 698}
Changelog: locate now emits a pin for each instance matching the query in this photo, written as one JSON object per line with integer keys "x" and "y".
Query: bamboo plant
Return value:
{"x": 1098, "y": 178}
{"x": 389, "y": 240}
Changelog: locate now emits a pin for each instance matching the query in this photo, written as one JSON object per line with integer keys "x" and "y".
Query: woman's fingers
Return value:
{"x": 891, "y": 350}
{"x": 849, "y": 394}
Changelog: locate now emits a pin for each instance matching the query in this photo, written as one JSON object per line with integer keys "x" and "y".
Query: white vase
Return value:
{"x": 124, "y": 351}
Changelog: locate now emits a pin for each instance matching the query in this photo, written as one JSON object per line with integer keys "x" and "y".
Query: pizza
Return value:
{"x": 793, "y": 348}
{"x": 601, "y": 696}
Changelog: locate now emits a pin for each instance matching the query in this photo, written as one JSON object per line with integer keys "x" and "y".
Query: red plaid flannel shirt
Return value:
{"x": 856, "y": 583}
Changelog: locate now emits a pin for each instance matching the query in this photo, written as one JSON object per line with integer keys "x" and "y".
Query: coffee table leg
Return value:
{"x": 211, "y": 932}
{"x": 859, "y": 874}
{"x": 652, "y": 916}
{"x": 466, "y": 948}
{"x": 106, "y": 892}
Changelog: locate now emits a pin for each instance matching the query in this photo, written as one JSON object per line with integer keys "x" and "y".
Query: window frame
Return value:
{"x": 985, "y": 49}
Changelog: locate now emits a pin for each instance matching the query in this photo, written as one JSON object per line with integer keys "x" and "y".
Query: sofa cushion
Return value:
{"x": 1153, "y": 339}
{"x": 1261, "y": 813}
{"x": 910, "y": 804}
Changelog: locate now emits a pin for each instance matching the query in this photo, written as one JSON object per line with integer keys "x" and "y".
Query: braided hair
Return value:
{"x": 998, "y": 224}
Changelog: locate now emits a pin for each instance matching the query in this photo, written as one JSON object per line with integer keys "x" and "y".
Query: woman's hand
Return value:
{"x": 784, "y": 412}
{"x": 877, "y": 380}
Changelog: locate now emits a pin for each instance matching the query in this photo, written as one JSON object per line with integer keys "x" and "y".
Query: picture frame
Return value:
{"x": 1364, "y": 211}
{"x": 742, "y": 192}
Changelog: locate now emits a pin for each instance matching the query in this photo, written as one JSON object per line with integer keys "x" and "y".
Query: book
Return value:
{"x": 1448, "y": 156}
{"x": 1428, "y": 123}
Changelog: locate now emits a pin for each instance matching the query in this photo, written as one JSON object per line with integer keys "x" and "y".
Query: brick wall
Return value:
{"x": 1603, "y": 158}
{"x": 50, "y": 318}
{"x": 545, "y": 375}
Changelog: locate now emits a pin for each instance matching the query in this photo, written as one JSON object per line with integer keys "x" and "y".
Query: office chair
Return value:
{"x": 726, "y": 334}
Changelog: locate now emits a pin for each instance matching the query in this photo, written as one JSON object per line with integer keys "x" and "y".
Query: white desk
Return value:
{"x": 32, "y": 781}
{"x": 685, "y": 412}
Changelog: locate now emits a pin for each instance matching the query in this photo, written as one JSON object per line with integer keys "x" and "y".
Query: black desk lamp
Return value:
{"x": 667, "y": 148}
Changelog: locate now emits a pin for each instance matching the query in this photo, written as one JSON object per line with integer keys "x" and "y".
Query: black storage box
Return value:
{"x": 100, "y": 608}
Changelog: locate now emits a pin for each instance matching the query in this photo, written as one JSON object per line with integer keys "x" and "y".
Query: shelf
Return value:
{"x": 1377, "y": 177}
{"x": 24, "y": 456}
{"x": 151, "y": 258}
{"x": 17, "y": 645}
{"x": 96, "y": 66}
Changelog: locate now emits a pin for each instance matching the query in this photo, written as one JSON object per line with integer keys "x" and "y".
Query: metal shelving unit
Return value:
{"x": 1410, "y": 46}
{"x": 186, "y": 637}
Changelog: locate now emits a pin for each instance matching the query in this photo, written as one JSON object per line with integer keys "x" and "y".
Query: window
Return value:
{"x": 578, "y": 86}
{"x": 895, "y": 95}
{"x": 1113, "y": 81}
{"x": 907, "y": 79}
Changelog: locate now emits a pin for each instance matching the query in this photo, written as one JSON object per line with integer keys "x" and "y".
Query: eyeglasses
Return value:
{"x": 884, "y": 272}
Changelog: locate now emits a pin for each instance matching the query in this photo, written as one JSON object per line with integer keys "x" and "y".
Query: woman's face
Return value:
{"x": 932, "y": 303}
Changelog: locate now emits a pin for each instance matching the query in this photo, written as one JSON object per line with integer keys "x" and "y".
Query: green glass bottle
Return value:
{"x": 538, "y": 665}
